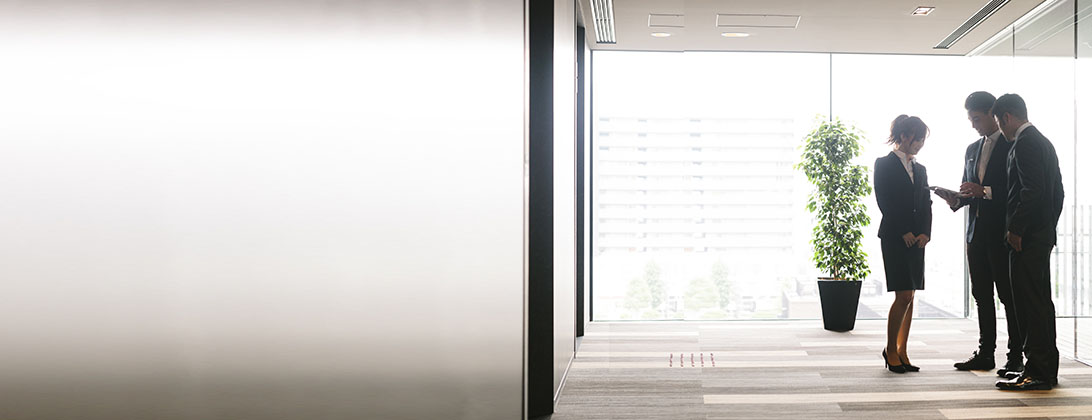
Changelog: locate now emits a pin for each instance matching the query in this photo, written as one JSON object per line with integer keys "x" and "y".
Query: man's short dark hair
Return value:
{"x": 1012, "y": 104}
{"x": 979, "y": 102}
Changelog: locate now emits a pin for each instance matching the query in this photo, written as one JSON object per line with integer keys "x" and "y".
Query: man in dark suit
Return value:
{"x": 985, "y": 190}
{"x": 1031, "y": 221}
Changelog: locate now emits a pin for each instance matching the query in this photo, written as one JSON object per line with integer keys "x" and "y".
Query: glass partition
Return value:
{"x": 1044, "y": 77}
{"x": 1083, "y": 225}
{"x": 1043, "y": 70}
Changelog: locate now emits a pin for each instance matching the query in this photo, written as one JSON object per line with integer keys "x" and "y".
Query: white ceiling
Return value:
{"x": 840, "y": 26}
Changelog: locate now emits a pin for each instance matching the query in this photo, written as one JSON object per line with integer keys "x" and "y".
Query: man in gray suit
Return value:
{"x": 1035, "y": 199}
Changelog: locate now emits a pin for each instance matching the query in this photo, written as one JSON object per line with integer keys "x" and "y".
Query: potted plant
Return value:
{"x": 836, "y": 203}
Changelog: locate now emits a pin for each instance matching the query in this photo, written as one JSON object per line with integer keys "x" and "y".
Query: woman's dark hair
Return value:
{"x": 979, "y": 102}
{"x": 911, "y": 126}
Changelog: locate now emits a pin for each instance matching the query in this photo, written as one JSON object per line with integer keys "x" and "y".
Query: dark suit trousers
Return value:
{"x": 1030, "y": 274}
{"x": 988, "y": 261}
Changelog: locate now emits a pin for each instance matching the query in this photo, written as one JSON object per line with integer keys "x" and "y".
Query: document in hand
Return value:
{"x": 946, "y": 193}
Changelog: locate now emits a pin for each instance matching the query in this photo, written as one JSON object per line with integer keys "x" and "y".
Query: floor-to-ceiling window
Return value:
{"x": 700, "y": 215}
{"x": 871, "y": 90}
{"x": 699, "y": 212}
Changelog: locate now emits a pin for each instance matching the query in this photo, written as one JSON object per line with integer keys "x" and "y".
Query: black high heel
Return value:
{"x": 909, "y": 367}
{"x": 893, "y": 368}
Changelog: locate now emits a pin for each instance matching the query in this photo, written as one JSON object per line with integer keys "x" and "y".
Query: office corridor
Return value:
{"x": 796, "y": 370}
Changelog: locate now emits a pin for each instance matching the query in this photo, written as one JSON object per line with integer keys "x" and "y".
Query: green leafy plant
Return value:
{"x": 836, "y": 201}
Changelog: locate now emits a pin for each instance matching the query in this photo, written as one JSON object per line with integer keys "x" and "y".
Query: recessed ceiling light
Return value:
{"x": 661, "y": 34}
{"x": 735, "y": 34}
{"x": 923, "y": 10}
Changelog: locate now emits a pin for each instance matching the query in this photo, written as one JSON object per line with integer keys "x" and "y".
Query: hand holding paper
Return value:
{"x": 971, "y": 189}
{"x": 946, "y": 193}
{"x": 949, "y": 196}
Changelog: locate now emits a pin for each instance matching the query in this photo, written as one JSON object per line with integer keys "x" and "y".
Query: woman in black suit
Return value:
{"x": 902, "y": 191}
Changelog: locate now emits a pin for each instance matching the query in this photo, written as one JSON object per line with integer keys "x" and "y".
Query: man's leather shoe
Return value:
{"x": 1024, "y": 383}
{"x": 1011, "y": 366}
{"x": 1009, "y": 376}
{"x": 976, "y": 362}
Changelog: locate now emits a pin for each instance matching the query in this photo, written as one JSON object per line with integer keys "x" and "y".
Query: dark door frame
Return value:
{"x": 540, "y": 209}
{"x": 581, "y": 225}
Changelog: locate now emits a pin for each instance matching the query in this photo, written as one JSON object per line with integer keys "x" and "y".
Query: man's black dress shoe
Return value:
{"x": 1024, "y": 383}
{"x": 1011, "y": 366}
{"x": 976, "y": 362}
{"x": 1013, "y": 375}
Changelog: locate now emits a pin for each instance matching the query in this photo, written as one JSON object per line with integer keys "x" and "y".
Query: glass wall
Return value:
{"x": 1043, "y": 74}
{"x": 1083, "y": 270}
{"x": 699, "y": 214}
{"x": 1050, "y": 50}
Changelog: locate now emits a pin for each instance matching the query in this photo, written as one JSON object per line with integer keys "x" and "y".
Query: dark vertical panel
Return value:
{"x": 580, "y": 222}
{"x": 540, "y": 269}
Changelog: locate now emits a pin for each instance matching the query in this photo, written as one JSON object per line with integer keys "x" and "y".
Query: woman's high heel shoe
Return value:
{"x": 893, "y": 368}
{"x": 909, "y": 367}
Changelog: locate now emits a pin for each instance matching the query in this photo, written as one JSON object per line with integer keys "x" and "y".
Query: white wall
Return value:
{"x": 564, "y": 187}
{"x": 261, "y": 209}
{"x": 586, "y": 211}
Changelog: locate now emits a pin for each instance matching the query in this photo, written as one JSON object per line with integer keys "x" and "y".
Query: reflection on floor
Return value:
{"x": 795, "y": 370}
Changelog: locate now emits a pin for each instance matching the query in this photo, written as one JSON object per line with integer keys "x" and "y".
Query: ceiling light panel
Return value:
{"x": 730, "y": 20}
{"x": 922, "y": 11}
{"x": 663, "y": 20}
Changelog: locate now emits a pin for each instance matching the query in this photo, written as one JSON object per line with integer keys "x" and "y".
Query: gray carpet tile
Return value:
{"x": 793, "y": 370}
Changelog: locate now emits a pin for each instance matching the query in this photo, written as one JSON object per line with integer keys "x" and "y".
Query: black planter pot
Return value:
{"x": 839, "y": 299}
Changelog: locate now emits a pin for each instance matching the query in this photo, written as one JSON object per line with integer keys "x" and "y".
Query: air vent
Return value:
{"x": 988, "y": 10}
{"x": 603, "y": 15}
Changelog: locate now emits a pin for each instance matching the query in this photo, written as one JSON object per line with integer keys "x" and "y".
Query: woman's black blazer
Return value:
{"x": 906, "y": 206}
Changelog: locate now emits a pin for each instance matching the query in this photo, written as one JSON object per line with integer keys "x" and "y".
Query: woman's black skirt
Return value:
{"x": 905, "y": 267}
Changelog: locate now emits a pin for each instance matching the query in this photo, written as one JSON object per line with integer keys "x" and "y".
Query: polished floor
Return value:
{"x": 797, "y": 370}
